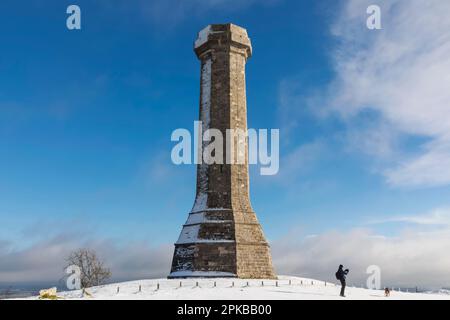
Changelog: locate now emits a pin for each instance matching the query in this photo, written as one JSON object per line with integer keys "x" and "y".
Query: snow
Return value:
{"x": 185, "y": 252}
{"x": 189, "y": 234}
{"x": 297, "y": 289}
{"x": 188, "y": 273}
{"x": 206, "y": 95}
{"x": 202, "y": 36}
{"x": 201, "y": 200}
{"x": 199, "y": 217}
{"x": 195, "y": 218}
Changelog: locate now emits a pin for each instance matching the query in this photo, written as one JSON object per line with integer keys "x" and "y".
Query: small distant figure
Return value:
{"x": 387, "y": 292}
{"x": 340, "y": 275}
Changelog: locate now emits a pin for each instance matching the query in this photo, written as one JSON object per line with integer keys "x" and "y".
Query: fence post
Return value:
{"x": 276, "y": 283}
{"x": 140, "y": 288}
{"x": 180, "y": 284}
{"x": 290, "y": 281}
{"x": 301, "y": 282}
{"x": 262, "y": 283}
{"x": 118, "y": 289}
{"x": 232, "y": 284}
{"x": 248, "y": 284}
{"x": 157, "y": 286}
{"x": 312, "y": 283}
{"x": 215, "y": 284}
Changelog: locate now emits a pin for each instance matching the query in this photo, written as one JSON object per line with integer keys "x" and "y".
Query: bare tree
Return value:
{"x": 93, "y": 272}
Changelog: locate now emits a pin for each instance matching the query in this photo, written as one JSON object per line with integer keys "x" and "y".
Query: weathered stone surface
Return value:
{"x": 222, "y": 233}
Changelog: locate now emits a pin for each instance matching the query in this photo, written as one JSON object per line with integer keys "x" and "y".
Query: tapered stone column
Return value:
{"x": 222, "y": 236}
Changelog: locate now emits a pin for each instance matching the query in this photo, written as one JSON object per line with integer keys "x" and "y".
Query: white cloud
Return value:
{"x": 437, "y": 217}
{"x": 431, "y": 167}
{"x": 407, "y": 260}
{"x": 401, "y": 73}
{"x": 374, "y": 139}
{"x": 44, "y": 260}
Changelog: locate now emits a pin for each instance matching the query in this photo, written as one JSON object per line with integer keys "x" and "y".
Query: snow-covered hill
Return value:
{"x": 286, "y": 288}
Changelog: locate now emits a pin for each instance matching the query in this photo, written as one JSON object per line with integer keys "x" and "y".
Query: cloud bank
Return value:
{"x": 44, "y": 260}
{"x": 408, "y": 260}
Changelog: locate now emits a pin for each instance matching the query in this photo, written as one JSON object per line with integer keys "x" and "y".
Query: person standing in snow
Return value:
{"x": 340, "y": 275}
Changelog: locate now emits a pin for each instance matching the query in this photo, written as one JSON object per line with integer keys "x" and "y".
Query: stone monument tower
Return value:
{"x": 222, "y": 236}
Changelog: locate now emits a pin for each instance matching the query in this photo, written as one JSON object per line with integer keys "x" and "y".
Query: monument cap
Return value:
{"x": 221, "y": 36}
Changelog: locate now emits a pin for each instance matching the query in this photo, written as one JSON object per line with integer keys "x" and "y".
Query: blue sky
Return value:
{"x": 86, "y": 118}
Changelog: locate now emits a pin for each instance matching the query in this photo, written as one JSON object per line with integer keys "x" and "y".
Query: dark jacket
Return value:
{"x": 341, "y": 273}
